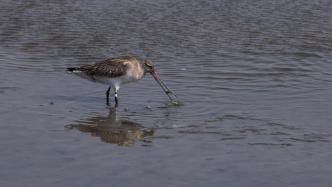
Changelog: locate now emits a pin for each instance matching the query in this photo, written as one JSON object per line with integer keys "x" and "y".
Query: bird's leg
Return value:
{"x": 108, "y": 96}
{"x": 116, "y": 97}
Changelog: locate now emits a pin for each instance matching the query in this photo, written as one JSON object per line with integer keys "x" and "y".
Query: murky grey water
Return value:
{"x": 254, "y": 79}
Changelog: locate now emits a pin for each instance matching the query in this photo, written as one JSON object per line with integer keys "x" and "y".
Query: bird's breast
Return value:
{"x": 134, "y": 73}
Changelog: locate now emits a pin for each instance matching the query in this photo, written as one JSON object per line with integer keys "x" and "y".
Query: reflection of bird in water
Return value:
{"x": 113, "y": 130}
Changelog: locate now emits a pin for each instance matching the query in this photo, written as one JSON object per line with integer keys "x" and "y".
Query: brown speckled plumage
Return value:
{"x": 113, "y": 67}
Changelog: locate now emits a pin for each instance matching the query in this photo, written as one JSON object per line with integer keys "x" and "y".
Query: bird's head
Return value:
{"x": 148, "y": 66}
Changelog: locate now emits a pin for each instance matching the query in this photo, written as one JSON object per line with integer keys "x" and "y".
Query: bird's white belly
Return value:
{"x": 129, "y": 76}
{"x": 115, "y": 80}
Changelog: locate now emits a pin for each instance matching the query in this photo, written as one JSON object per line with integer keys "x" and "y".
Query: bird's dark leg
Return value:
{"x": 108, "y": 96}
{"x": 116, "y": 99}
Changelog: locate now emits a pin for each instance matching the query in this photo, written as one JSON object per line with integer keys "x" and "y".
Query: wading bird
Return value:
{"x": 120, "y": 70}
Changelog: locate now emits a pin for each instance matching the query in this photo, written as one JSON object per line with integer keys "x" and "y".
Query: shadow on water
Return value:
{"x": 111, "y": 129}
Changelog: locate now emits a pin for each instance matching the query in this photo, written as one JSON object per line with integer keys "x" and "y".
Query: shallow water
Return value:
{"x": 253, "y": 77}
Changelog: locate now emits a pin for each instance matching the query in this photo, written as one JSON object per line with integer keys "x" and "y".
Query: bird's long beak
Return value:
{"x": 168, "y": 92}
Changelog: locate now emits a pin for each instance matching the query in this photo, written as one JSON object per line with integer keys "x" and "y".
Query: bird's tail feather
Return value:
{"x": 72, "y": 69}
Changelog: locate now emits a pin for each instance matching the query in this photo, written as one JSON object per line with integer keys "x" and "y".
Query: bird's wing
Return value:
{"x": 113, "y": 67}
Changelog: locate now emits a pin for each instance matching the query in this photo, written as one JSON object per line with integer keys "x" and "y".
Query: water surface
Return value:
{"x": 254, "y": 79}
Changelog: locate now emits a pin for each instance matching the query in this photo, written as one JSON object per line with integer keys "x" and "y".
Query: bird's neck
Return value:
{"x": 139, "y": 71}
{"x": 143, "y": 67}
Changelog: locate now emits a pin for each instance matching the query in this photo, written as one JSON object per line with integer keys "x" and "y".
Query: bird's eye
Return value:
{"x": 148, "y": 64}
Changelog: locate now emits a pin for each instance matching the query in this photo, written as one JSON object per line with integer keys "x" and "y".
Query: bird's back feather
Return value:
{"x": 119, "y": 68}
{"x": 107, "y": 68}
